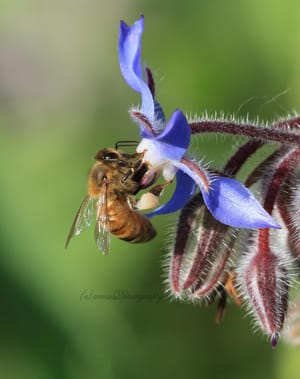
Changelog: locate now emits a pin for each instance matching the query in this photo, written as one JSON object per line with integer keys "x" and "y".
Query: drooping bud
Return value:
{"x": 185, "y": 241}
{"x": 289, "y": 208}
{"x": 265, "y": 269}
{"x": 201, "y": 254}
{"x": 212, "y": 259}
{"x": 264, "y": 280}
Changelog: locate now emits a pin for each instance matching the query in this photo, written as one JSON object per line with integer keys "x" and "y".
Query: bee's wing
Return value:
{"x": 102, "y": 230}
{"x": 83, "y": 218}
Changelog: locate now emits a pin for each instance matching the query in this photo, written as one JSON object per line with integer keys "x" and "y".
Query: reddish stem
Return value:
{"x": 250, "y": 147}
{"x": 248, "y": 130}
{"x": 287, "y": 163}
{"x": 240, "y": 157}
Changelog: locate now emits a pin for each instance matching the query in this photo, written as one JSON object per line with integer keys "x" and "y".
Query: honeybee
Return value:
{"x": 113, "y": 182}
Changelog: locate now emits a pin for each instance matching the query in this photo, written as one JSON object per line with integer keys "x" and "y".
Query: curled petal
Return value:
{"x": 185, "y": 188}
{"x": 175, "y": 138}
{"x": 164, "y": 151}
{"x": 169, "y": 146}
{"x": 130, "y": 63}
{"x": 233, "y": 204}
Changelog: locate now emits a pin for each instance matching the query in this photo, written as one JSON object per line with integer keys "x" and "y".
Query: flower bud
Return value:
{"x": 264, "y": 280}
{"x": 289, "y": 207}
{"x": 211, "y": 265}
{"x": 185, "y": 241}
{"x": 201, "y": 255}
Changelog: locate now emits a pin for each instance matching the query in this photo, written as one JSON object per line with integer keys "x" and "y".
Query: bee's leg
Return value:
{"x": 139, "y": 170}
{"x": 127, "y": 175}
{"x": 136, "y": 172}
{"x": 131, "y": 201}
{"x": 230, "y": 288}
{"x": 222, "y": 303}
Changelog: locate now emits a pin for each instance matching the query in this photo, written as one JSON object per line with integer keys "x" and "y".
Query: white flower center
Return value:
{"x": 153, "y": 155}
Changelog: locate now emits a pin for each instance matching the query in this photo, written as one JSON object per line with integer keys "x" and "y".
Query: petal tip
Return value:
{"x": 233, "y": 204}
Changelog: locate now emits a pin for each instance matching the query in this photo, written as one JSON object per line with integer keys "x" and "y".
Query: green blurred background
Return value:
{"x": 61, "y": 99}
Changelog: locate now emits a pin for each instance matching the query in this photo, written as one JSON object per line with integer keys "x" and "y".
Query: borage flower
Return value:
{"x": 164, "y": 145}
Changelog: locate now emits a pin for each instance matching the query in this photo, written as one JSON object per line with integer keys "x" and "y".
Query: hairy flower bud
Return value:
{"x": 201, "y": 254}
{"x": 291, "y": 332}
{"x": 264, "y": 280}
{"x": 289, "y": 208}
{"x": 211, "y": 264}
{"x": 185, "y": 241}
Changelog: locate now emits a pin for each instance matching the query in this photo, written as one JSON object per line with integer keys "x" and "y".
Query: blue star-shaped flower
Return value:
{"x": 165, "y": 145}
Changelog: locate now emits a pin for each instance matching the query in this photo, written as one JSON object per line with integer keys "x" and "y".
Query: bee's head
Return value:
{"x": 107, "y": 155}
{"x": 110, "y": 166}
{"x": 114, "y": 159}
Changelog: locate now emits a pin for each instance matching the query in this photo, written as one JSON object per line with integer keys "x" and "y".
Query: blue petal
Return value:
{"x": 231, "y": 203}
{"x": 185, "y": 188}
{"x": 159, "y": 113}
{"x": 175, "y": 138}
{"x": 130, "y": 63}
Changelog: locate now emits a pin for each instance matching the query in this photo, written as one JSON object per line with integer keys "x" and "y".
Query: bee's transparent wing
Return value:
{"x": 102, "y": 230}
{"x": 83, "y": 218}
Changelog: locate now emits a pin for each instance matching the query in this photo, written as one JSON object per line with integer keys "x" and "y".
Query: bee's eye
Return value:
{"x": 110, "y": 156}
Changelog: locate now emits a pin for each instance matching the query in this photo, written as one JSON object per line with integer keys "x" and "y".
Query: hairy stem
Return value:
{"x": 279, "y": 132}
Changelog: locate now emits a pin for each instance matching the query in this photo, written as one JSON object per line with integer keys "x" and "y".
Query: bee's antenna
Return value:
{"x": 126, "y": 143}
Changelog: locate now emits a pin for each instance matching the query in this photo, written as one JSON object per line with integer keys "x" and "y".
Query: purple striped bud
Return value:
{"x": 200, "y": 260}
{"x": 289, "y": 208}
{"x": 185, "y": 241}
{"x": 264, "y": 280}
{"x": 211, "y": 264}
